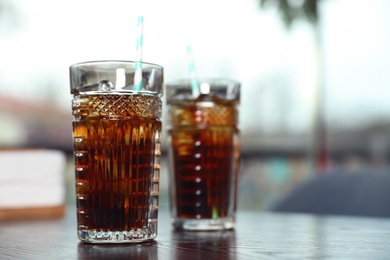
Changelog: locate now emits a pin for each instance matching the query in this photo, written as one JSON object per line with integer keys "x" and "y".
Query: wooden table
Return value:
{"x": 258, "y": 235}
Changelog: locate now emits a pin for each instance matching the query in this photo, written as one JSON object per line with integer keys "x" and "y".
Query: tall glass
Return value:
{"x": 116, "y": 133}
{"x": 203, "y": 144}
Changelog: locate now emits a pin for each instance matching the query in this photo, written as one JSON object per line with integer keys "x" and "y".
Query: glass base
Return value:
{"x": 204, "y": 224}
{"x": 133, "y": 236}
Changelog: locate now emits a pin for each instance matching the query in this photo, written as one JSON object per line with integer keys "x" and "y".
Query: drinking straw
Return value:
{"x": 192, "y": 72}
{"x": 138, "y": 64}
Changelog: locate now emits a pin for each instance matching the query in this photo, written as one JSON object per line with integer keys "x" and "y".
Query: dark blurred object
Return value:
{"x": 358, "y": 194}
{"x": 292, "y": 10}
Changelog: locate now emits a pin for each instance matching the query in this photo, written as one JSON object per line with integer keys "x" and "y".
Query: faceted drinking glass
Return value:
{"x": 116, "y": 134}
{"x": 203, "y": 145}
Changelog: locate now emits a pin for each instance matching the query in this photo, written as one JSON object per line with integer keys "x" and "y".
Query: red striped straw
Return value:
{"x": 138, "y": 60}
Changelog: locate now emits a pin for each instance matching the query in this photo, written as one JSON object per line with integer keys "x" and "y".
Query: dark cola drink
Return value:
{"x": 204, "y": 158}
{"x": 117, "y": 153}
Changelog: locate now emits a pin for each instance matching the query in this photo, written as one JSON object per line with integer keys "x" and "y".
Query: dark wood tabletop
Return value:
{"x": 258, "y": 235}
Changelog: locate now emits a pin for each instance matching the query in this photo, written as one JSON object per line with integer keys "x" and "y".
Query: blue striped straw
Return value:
{"x": 192, "y": 72}
{"x": 138, "y": 64}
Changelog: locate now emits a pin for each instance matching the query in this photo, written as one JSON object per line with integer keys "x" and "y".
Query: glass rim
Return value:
{"x": 95, "y": 62}
{"x": 109, "y": 76}
{"x": 209, "y": 88}
{"x": 212, "y": 80}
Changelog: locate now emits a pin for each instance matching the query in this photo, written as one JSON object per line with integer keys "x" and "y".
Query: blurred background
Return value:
{"x": 314, "y": 77}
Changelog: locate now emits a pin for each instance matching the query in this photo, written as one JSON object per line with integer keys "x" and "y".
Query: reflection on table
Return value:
{"x": 258, "y": 235}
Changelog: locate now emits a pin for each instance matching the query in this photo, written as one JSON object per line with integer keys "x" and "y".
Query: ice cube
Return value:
{"x": 105, "y": 85}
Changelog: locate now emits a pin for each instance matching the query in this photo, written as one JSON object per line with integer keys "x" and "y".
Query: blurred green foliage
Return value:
{"x": 292, "y": 10}
{"x": 8, "y": 14}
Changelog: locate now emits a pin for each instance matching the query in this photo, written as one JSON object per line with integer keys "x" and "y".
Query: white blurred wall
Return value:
{"x": 230, "y": 38}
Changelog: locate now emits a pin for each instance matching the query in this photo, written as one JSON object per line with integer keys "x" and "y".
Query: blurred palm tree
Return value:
{"x": 291, "y": 11}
